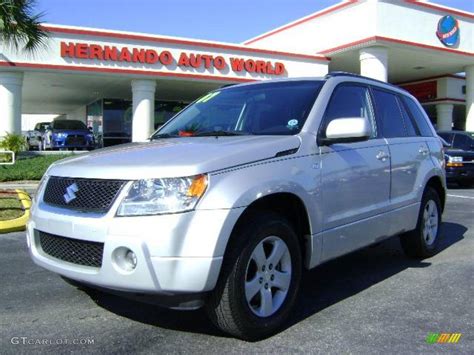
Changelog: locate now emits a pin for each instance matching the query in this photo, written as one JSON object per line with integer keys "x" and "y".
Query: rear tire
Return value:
{"x": 423, "y": 241}
{"x": 259, "y": 279}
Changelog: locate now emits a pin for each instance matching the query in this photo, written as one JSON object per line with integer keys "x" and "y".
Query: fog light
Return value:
{"x": 125, "y": 259}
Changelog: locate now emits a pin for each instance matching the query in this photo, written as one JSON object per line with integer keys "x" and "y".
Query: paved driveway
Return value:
{"x": 372, "y": 301}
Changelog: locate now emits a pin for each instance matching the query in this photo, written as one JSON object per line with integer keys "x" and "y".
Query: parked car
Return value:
{"x": 240, "y": 191}
{"x": 459, "y": 157}
{"x": 34, "y": 138}
{"x": 68, "y": 134}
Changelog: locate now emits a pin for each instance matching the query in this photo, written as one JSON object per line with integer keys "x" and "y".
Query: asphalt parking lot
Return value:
{"x": 371, "y": 301}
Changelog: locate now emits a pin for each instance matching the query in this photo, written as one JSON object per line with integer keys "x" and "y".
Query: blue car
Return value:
{"x": 68, "y": 134}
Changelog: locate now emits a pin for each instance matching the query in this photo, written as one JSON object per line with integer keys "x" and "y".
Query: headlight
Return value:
{"x": 60, "y": 135}
{"x": 169, "y": 195}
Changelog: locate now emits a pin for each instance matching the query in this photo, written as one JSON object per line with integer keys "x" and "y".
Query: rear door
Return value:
{"x": 410, "y": 155}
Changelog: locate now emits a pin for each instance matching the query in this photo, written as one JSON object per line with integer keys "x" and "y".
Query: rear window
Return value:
{"x": 419, "y": 117}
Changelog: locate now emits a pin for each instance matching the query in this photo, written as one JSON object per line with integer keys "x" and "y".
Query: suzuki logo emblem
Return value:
{"x": 70, "y": 193}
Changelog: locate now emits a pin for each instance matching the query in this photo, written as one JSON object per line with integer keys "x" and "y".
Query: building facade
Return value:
{"x": 125, "y": 85}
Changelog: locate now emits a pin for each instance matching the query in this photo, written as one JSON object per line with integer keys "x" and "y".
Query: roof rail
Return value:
{"x": 343, "y": 73}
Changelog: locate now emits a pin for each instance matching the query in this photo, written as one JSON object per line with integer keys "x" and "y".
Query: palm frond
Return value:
{"x": 20, "y": 27}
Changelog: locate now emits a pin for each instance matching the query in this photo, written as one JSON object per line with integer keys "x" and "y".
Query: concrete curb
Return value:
{"x": 18, "y": 224}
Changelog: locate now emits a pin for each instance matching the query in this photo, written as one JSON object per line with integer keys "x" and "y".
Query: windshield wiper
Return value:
{"x": 220, "y": 133}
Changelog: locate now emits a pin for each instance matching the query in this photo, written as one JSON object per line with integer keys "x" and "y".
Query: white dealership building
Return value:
{"x": 126, "y": 84}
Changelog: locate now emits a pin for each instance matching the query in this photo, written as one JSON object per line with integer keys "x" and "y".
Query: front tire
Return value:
{"x": 259, "y": 280}
{"x": 423, "y": 241}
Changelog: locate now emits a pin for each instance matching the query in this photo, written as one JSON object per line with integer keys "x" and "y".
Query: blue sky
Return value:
{"x": 220, "y": 20}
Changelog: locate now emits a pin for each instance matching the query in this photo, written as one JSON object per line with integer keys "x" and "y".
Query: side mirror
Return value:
{"x": 346, "y": 130}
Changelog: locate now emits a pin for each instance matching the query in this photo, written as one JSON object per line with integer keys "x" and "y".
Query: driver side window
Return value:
{"x": 349, "y": 101}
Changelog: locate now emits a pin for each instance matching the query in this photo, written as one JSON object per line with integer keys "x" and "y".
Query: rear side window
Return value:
{"x": 389, "y": 114}
{"x": 419, "y": 117}
{"x": 350, "y": 101}
{"x": 412, "y": 131}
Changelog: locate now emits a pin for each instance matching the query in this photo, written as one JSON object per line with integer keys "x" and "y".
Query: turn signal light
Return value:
{"x": 198, "y": 186}
{"x": 450, "y": 164}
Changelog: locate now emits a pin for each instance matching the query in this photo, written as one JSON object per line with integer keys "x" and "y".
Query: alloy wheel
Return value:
{"x": 268, "y": 276}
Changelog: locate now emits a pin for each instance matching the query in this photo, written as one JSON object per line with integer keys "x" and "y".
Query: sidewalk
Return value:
{"x": 28, "y": 186}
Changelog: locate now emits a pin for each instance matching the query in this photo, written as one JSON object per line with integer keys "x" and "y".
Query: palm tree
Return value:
{"x": 20, "y": 27}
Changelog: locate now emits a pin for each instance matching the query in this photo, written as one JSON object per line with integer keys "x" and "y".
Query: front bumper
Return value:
{"x": 462, "y": 173}
{"x": 176, "y": 253}
{"x": 65, "y": 143}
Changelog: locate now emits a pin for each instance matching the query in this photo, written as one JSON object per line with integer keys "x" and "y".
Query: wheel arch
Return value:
{"x": 436, "y": 183}
{"x": 285, "y": 204}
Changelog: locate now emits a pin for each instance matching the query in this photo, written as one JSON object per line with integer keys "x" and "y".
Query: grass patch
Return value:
{"x": 29, "y": 168}
{"x": 10, "y": 208}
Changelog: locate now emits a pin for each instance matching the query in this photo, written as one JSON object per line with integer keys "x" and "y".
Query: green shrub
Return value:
{"x": 14, "y": 142}
{"x": 29, "y": 168}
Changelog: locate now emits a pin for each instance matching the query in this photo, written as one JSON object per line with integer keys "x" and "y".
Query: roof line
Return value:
{"x": 394, "y": 40}
{"x": 121, "y": 71}
{"x": 301, "y": 20}
{"x": 454, "y": 76}
{"x": 178, "y": 41}
{"x": 441, "y": 8}
{"x": 442, "y": 99}
{"x": 343, "y": 4}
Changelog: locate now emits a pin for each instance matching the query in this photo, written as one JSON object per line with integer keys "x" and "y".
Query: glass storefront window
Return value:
{"x": 111, "y": 119}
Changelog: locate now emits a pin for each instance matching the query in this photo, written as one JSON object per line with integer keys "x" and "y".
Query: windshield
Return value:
{"x": 278, "y": 108}
{"x": 68, "y": 124}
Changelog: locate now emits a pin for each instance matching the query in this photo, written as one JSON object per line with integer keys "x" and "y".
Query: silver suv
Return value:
{"x": 233, "y": 197}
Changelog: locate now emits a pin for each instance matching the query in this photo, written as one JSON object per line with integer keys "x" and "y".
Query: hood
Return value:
{"x": 173, "y": 157}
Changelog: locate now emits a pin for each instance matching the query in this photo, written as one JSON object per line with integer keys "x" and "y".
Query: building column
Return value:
{"x": 469, "y": 98}
{"x": 10, "y": 102}
{"x": 444, "y": 117}
{"x": 143, "y": 109}
{"x": 374, "y": 63}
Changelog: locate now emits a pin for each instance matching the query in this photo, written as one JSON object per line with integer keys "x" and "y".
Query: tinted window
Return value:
{"x": 419, "y": 117}
{"x": 41, "y": 126}
{"x": 350, "y": 101}
{"x": 448, "y": 137}
{"x": 462, "y": 142}
{"x": 411, "y": 130}
{"x": 68, "y": 124}
{"x": 389, "y": 115}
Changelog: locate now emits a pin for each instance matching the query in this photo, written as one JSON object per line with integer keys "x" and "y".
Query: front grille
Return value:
{"x": 75, "y": 140}
{"x": 75, "y": 251}
{"x": 88, "y": 195}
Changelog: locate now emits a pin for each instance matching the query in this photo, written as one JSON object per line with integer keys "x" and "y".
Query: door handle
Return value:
{"x": 381, "y": 155}
{"x": 423, "y": 151}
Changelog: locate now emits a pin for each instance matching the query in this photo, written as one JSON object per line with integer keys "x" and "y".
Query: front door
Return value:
{"x": 355, "y": 176}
